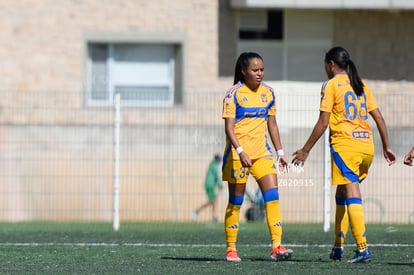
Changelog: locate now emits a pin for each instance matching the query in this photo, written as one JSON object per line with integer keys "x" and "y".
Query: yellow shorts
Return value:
{"x": 349, "y": 167}
{"x": 234, "y": 172}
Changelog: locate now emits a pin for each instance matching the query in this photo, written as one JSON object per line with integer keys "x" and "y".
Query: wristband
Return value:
{"x": 280, "y": 152}
{"x": 239, "y": 150}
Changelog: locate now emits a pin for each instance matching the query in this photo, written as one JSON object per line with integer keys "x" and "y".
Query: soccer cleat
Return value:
{"x": 232, "y": 256}
{"x": 280, "y": 253}
{"x": 336, "y": 253}
{"x": 361, "y": 256}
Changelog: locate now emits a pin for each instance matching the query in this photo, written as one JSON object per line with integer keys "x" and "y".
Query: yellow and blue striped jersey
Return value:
{"x": 250, "y": 109}
{"x": 348, "y": 121}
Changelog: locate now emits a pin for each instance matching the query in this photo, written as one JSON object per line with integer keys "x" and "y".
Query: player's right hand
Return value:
{"x": 245, "y": 159}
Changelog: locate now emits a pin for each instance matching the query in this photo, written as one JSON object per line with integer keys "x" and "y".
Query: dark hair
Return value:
{"x": 341, "y": 58}
{"x": 242, "y": 64}
{"x": 217, "y": 157}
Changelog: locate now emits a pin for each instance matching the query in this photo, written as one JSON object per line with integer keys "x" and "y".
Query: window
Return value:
{"x": 291, "y": 42}
{"x": 261, "y": 25}
{"x": 144, "y": 74}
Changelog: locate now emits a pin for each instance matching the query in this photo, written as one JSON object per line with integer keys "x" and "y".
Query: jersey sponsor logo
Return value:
{"x": 360, "y": 134}
{"x": 249, "y": 114}
{"x": 259, "y": 113}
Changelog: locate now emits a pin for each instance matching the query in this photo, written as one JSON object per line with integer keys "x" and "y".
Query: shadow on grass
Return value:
{"x": 245, "y": 259}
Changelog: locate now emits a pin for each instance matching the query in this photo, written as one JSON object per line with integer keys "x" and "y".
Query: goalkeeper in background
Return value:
{"x": 211, "y": 184}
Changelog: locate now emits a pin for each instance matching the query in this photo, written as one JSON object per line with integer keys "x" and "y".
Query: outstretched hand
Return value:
{"x": 409, "y": 158}
{"x": 300, "y": 156}
{"x": 282, "y": 164}
{"x": 390, "y": 156}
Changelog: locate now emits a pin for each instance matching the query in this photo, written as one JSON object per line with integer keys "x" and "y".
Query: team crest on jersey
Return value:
{"x": 264, "y": 98}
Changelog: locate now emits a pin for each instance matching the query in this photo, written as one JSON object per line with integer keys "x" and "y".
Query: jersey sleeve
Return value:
{"x": 327, "y": 97}
{"x": 229, "y": 104}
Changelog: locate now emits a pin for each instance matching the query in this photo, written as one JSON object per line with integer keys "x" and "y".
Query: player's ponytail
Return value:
{"x": 242, "y": 64}
{"x": 341, "y": 58}
{"x": 356, "y": 81}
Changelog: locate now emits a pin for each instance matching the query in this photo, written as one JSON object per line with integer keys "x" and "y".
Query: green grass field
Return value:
{"x": 190, "y": 248}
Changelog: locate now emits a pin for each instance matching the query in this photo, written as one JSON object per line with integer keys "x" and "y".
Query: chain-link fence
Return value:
{"x": 57, "y": 160}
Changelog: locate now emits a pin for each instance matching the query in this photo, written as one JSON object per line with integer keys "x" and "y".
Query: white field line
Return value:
{"x": 182, "y": 245}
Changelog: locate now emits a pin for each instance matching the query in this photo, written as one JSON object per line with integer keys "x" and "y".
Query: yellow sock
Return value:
{"x": 231, "y": 225}
{"x": 341, "y": 222}
{"x": 357, "y": 221}
{"x": 274, "y": 222}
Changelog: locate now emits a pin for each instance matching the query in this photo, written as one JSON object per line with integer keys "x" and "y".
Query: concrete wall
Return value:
{"x": 44, "y": 45}
{"x": 380, "y": 42}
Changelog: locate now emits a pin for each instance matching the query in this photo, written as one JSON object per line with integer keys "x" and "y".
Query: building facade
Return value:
{"x": 171, "y": 61}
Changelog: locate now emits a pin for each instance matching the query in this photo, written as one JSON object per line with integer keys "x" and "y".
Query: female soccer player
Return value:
{"x": 249, "y": 116}
{"x": 345, "y": 104}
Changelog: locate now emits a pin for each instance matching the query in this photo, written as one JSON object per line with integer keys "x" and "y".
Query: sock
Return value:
{"x": 357, "y": 222}
{"x": 341, "y": 222}
{"x": 273, "y": 217}
{"x": 231, "y": 220}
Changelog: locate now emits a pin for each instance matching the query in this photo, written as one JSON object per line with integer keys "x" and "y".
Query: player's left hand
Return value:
{"x": 283, "y": 164}
{"x": 409, "y": 159}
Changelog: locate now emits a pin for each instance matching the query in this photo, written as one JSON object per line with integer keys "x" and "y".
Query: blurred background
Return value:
{"x": 171, "y": 62}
